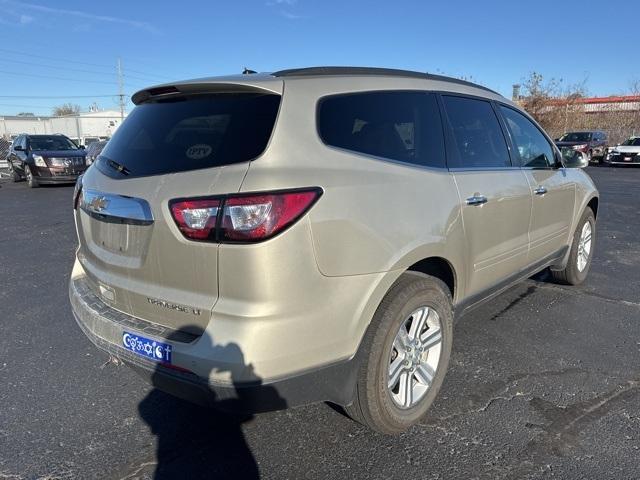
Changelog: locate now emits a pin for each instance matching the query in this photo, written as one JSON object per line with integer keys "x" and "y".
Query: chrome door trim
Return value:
{"x": 111, "y": 207}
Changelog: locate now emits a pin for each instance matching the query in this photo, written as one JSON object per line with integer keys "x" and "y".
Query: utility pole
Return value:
{"x": 120, "y": 89}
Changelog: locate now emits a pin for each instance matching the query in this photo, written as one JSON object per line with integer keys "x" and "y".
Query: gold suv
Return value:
{"x": 269, "y": 240}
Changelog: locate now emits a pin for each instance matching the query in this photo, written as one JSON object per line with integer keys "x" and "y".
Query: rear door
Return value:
{"x": 135, "y": 257}
{"x": 552, "y": 192}
{"x": 495, "y": 196}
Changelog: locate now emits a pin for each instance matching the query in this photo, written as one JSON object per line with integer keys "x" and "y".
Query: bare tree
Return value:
{"x": 560, "y": 108}
{"x": 66, "y": 109}
{"x": 552, "y": 103}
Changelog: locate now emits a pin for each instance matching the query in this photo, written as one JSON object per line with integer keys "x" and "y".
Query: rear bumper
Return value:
{"x": 104, "y": 326}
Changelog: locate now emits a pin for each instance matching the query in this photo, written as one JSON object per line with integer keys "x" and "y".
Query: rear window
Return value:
{"x": 402, "y": 126}
{"x": 189, "y": 134}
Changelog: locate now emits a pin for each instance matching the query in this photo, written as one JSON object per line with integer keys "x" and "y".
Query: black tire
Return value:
{"x": 31, "y": 181}
{"x": 15, "y": 176}
{"x": 373, "y": 405}
{"x": 571, "y": 274}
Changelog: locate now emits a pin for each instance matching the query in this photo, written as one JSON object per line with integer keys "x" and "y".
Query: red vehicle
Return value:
{"x": 593, "y": 143}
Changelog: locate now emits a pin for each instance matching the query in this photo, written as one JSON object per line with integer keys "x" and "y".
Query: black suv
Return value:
{"x": 94, "y": 149}
{"x": 592, "y": 143}
{"x": 46, "y": 159}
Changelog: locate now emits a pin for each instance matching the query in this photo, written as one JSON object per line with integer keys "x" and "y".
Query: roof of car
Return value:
{"x": 273, "y": 81}
{"x": 388, "y": 72}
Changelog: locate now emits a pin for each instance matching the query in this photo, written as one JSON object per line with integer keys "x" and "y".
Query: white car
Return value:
{"x": 628, "y": 152}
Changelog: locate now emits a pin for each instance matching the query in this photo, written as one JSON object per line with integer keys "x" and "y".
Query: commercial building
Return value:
{"x": 83, "y": 127}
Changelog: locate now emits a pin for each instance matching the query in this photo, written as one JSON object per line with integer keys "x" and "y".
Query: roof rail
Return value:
{"x": 333, "y": 71}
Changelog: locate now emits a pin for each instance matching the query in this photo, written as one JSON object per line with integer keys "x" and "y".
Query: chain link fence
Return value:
{"x": 4, "y": 153}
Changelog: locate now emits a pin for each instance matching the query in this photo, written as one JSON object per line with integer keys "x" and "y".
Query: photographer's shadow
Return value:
{"x": 196, "y": 441}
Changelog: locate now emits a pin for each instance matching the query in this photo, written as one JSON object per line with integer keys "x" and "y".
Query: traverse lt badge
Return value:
{"x": 173, "y": 306}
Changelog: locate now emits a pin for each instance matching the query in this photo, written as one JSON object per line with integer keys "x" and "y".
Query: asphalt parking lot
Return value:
{"x": 544, "y": 381}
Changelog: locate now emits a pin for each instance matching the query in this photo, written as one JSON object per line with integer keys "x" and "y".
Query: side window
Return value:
{"x": 403, "y": 126}
{"x": 533, "y": 148}
{"x": 478, "y": 141}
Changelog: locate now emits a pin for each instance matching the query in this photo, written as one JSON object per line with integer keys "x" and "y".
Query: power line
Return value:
{"x": 54, "y": 78}
{"x": 76, "y": 62}
{"x": 51, "y": 58}
{"x": 126, "y": 75}
{"x": 24, "y": 105}
{"x": 11, "y": 61}
{"x": 59, "y": 96}
{"x": 146, "y": 74}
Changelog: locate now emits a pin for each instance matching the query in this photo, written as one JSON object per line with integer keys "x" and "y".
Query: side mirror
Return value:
{"x": 556, "y": 139}
{"x": 573, "y": 158}
{"x": 19, "y": 148}
{"x": 81, "y": 147}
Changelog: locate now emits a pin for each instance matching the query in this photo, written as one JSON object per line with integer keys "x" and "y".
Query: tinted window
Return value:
{"x": 190, "y": 133}
{"x": 403, "y": 126}
{"x": 51, "y": 142}
{"x": 576, "y": 137}
{"x": 533, "y": 148}
{"x": 632, "y": 142}
{"x": 478, "y": 141}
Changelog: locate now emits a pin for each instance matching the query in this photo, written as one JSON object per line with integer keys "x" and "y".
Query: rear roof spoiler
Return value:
{"x": 237, "y": 84}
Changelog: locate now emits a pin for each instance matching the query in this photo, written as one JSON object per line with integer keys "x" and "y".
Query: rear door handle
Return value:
{"x": 477, "y": 200}
{"x": 540, "y": 190}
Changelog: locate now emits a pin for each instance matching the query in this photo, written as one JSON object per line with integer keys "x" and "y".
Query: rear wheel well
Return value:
{"x": 593, "y": 204}
{"x": 437, "y": 267}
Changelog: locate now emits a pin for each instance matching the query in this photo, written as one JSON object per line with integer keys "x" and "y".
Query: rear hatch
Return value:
{"x": 179, "y": 143}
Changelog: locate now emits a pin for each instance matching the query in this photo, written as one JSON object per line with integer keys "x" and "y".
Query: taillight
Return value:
{"x": 243, "y": 218}
{"x": 196, "y": 219}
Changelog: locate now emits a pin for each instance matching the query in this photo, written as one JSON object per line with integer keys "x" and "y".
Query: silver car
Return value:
{"x": 261, "y": 241}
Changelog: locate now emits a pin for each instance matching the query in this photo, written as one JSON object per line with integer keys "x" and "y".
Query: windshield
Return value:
{"x": 52, "y": 142}
{"x": 576, "y": 137}
{"x": 190, "y": 133}
{"x": 632, "y": 142}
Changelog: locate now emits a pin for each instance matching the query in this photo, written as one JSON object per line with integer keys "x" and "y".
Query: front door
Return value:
{"x": 553, "y": 193}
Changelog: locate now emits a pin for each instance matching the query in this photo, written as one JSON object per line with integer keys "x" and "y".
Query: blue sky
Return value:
{"x": 69, "y": 48}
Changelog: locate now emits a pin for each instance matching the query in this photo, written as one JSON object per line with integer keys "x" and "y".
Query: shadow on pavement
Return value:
{"x": 204, "y": 442}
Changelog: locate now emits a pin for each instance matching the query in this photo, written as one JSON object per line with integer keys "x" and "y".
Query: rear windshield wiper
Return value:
{"x": 118, "y": 167}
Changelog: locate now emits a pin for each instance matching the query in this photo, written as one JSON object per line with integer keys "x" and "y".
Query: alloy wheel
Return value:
{"x": 584, "y": 246}
{"x": 414, "y": 357}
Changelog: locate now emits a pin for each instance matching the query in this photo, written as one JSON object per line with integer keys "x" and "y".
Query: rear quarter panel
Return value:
{"x": 375, "y": 215}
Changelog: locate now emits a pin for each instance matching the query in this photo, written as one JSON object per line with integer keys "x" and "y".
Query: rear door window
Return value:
{"x": 402, "y": 126}
{"x": 190, "y": 133}
{"x": 477, "y": 138}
